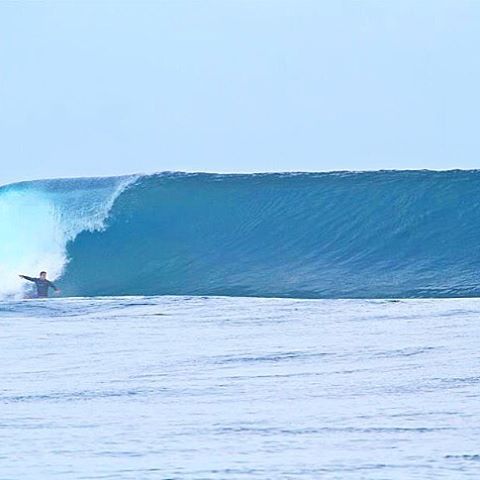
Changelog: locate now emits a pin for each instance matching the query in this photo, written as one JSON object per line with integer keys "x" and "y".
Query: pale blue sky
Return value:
{"x": 112, "y": 87}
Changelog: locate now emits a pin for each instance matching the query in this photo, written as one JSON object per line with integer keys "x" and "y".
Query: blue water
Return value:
{"x": 239, "y": 388}
{"x": 159, "y": 364}
{"x": 319, "y": 235}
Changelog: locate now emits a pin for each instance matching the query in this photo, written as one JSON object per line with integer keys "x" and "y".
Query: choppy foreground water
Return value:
{"x": 235, "y": 388}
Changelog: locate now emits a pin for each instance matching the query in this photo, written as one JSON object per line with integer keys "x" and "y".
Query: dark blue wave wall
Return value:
{"x": 372, "y": 234}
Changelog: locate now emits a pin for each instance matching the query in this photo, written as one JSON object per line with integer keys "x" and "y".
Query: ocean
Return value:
{"x": 239, "y": 388}
{"x": 268, "y": 326}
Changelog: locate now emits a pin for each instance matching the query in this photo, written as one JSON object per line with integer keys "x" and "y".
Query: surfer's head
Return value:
{"x": 43, "y": 275}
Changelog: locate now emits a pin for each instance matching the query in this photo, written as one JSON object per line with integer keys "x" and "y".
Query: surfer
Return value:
{"x": 42, "y": 284}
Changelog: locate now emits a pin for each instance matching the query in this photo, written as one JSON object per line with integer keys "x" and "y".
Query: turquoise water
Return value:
{"x": 238, "y": 388}
{"x": 319, "y": 235}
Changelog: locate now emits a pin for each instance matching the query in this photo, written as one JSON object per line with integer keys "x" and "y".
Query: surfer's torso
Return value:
{"x": 42, "y": 286}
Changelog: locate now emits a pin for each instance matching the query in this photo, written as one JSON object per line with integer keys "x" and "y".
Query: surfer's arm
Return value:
{"x": 50, "y": 284}
{"x": 30, "y": 279}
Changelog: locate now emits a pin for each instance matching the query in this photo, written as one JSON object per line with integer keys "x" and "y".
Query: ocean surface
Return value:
{"x": 239, "y": 388}
{"x": 386, "y": 234}
{"x": 217, "y": 327}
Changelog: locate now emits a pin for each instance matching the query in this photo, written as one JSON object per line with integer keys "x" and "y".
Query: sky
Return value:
{"x": 95, "y": 88}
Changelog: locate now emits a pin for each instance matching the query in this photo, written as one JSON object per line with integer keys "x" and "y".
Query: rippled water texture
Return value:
{"x": 234, "y": 388}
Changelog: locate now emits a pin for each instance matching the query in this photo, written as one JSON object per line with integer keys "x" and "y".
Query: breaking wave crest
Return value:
{"x": 39, "y": 219}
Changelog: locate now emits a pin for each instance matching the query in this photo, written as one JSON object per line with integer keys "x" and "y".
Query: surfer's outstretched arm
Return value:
{"x": 57, "y": 290}
{"x": 30, "y": 279}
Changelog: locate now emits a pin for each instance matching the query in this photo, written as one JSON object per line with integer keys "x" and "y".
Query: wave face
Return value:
{"x": 324, "y": 235}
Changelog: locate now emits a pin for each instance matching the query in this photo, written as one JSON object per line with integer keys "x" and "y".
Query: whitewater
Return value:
{"x": 290, "y": 326}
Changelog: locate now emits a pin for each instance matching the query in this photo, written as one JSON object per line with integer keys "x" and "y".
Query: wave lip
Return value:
{"x": 383, "y": 234}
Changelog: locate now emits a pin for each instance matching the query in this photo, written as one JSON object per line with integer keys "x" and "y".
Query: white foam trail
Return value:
{"x": 38, "y": 219}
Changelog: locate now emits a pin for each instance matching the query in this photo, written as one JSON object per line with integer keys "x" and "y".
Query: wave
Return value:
{"x": 379, "y": 234}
